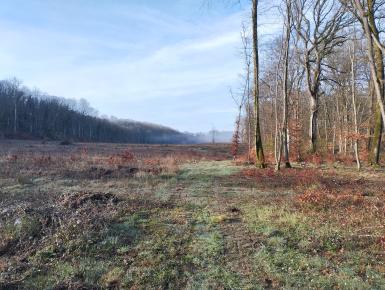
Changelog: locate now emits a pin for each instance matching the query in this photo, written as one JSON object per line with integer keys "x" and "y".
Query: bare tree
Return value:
{"x": 236, "y": 135}
{"x": 285, "y": 89}
{"x": 364, "y": 12}
{"x": 352, "y": 52}
{"x": 14, "y": 86}
{"x": 246, "y": 92}
{"x": 260, "y": 157}
{"x": 278, "y": 139}
{"x": 319, "y": 35}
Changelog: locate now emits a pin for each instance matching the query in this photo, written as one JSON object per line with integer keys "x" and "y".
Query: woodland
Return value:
{"x": 31, "y": 114}
{"x": 322, "y": 92}
{"x": 295, "y": 201}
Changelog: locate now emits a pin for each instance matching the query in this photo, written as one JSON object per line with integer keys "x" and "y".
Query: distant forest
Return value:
{"x": 30, "y": 114}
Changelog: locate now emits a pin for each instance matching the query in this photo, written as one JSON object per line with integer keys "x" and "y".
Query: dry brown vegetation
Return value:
{"x": 101, "y": 216}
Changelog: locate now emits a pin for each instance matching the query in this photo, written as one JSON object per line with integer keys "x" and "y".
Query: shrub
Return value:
{"x": 324, "y": 198}
{"x": 284, "y": 178}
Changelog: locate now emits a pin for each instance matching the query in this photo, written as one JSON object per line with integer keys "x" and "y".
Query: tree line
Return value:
{"x": 320, "y": 87}
{"x": 30, "y": 114}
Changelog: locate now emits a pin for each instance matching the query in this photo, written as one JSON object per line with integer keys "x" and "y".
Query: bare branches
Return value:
{"x": 318, "y": 36}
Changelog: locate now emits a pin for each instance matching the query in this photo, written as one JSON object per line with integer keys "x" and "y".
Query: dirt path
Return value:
{"x": 208, "y": 225}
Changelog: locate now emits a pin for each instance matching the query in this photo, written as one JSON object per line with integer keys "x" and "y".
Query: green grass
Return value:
{"x": 182, "y": 234}
{"x": 297, "y": 251}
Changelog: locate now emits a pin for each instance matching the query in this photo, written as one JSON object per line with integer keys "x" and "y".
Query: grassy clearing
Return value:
{"x": 298, "y": 251}
{"x": 188, "y": 224}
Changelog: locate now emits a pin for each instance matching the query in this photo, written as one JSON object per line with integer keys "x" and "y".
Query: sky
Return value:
{"x": 170, "y": 62}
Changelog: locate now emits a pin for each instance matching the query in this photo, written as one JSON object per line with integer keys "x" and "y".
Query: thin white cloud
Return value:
{"x": 114, "y": 65}
{"x": 187, "y": 65}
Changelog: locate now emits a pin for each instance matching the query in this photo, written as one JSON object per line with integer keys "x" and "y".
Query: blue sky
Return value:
{"x": 170, "y": 62}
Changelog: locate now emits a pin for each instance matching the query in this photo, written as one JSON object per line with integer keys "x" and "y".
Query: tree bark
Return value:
{"x": 313, "y": 123}
{"x": 285, "y": 86}
{"x": 354, "y": 103}
{"x": 259, "y": 155}
{"x": 378, "y": 71}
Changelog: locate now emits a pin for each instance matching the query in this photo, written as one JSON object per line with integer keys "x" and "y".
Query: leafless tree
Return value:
{"x": 352, "y": 54}
{"x": 365, "y": 13}
{"x": 318, "y": 24}
{"x": 246, "y": 91}
{"x": 285, "y": 89}
{"x": 260, "y": 157}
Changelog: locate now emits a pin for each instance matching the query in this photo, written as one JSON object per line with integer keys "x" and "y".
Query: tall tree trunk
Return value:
{"x": 377, "y": 70}
{"x": 259, "y": 156}
{"x": 378, "y": 126}
{"x": 278, "y": 137}
{"x": 249, "y": 129}
{"x": 313, "y": 88}
{"x": 248, "y": 92}
{"x": 354, "y": 103}
{"x": 370, "y": 129}
{"x": 285, "y": 85}
{"x": 298, "y": 127}
{"x": 313, "y": 123}
{"x": 345, "y": 124}
{"x": 326, "y": 128}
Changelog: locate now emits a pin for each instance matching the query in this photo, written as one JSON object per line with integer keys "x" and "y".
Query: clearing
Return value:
{"x": 103, "y": 216}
